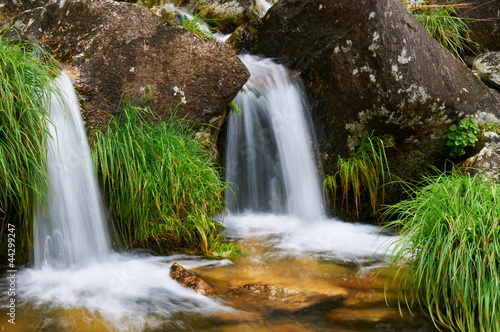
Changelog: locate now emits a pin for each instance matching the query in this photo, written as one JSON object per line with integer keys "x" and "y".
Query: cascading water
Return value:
{"x": 70, "y": 227}
{"x": 270, "y": 161}
{"x": 75, "y": 267}
{"x": 273, "y": 173}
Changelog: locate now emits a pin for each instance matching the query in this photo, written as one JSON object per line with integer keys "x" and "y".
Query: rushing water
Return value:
{"x": 272, "y": 169}
{"x": 270, "y": 162}
{"x": 302, "y": 271}
{"x": 75, "y": 268}
{"x": 70, "y": 226}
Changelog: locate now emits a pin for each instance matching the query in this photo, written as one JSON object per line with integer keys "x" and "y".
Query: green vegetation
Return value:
{"x": 233, "y": 106}
{"x": 160, "y": 184}
{"x": 197, "y": 26}
{"x": 490, "y": 126}
{"x": 365, "y": 171}
{"x": 25, "y": 79}
{"x": 461, "y": 136}
{"x": 443, "y": 23}
{"x": 447, "y": 255}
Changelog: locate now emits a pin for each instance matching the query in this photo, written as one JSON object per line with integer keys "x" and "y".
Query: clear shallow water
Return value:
{"x": 311, "y": 289}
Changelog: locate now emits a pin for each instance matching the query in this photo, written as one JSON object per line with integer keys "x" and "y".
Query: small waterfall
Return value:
{"x": 269, "y": 158}
{"x": 70, "y": 228}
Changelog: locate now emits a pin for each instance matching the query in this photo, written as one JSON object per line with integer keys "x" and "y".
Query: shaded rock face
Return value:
{"x": 369, "y": 65}
{"x": 485, "y": 21}
{"x": 190, "y": 280}
{"x": 111, "y": 48}
{"x": 487, "y": 66}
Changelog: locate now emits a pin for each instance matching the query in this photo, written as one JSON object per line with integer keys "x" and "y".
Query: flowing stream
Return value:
{"x": 301, "y": 272}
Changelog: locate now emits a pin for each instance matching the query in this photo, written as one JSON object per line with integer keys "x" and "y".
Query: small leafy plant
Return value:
{"x": 462, "y": 135}
{"x": 233, "y": 106}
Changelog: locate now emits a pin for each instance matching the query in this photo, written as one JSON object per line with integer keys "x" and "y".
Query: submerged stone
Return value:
{"x": 190, "y": 280}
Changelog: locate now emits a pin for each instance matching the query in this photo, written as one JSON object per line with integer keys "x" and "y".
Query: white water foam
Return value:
{"x": 329, "y": 239}
{"x": 131, "y": 293}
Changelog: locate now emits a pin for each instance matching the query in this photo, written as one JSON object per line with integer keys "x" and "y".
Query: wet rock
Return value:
{"x": 111, "y": 48}
{"x": 369, "y": 65}
{"x": 190, "y": 280}
{"x": 484, "y": 21}
{"x": 227, "y": 15}
{"x": 487, "y": 66}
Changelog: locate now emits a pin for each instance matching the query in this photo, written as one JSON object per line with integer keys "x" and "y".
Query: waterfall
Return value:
{"x": 70, "y": 226}
{"x": 269, "y": 159}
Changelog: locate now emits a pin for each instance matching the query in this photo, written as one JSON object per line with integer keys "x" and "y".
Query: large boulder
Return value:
{"x": 370, "y": 65}
{"x": 111, "y": 49}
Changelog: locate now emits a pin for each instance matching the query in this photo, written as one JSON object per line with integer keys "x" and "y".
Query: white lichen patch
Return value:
{"x": 348, "y": 46}
{"x": 404, "y": 58}
{"x": 366, "y": 69}
{"x": 355, "y": 71}
{"x": 395, "y": 72}
{"x": 374, "y": 46}
{"x": 372, "y": 15}
{"x": 336, "y": 49}
{"x": 372, "y": 78}
{"x": 178, "y": 91}
{"x": 416, "y": 94}
{"x": 321, "y": 7}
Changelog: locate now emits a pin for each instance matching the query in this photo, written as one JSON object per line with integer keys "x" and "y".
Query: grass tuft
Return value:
{"x": 443, "y": 23}
{"x": 160, "y": 184}
{"x": 448, "y": 252}
{"x": 25, "y": 82}
{"x": 366, "y": 171}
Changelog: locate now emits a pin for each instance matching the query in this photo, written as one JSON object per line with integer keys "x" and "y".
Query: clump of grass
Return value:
{"x": 448, "y": 252}
{"x": 443, "y": 23}
{"x": 159, "y": 183}
{"x": 366, "y": 171}
{"x": 25, "y": 82}
{"x": 198, "y": 26}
